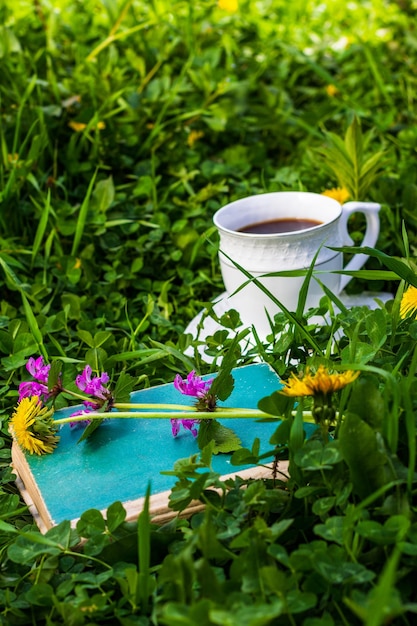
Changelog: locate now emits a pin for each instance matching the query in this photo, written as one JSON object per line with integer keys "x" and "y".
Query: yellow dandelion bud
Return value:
{"x": 77, "y": 126}
{"x": 331, "y": 90}
{"x": 100, "y": 125}
{"x": 408, "y": 304}
{"x": 340, "y": 194}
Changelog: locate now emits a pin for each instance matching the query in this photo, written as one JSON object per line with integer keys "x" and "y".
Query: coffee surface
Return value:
{"x": 284, "y": 225}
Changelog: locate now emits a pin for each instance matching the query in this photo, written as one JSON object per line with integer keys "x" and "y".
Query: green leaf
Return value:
{"x": 54, "y": 374}
{"x": 323, "y": 505}
{"x": 359, "y": 447}
{"x": 244, "y": 456}
{"x": 348, "y": 161}
{"x": 89, "y": 430}
{"x": 260, "y": 614}
{"x": 337, "y": 572}
{"x": 367, "y": 401}
{"x": 63, "y": 535}
{"x": 124, "y": 387}
{"x": 276, "y": 404}
{"x": 334, "y": 529}
{"x": 116, "y": 515}
{"x": 222, "y": 386}
{"x": 297, "y": 430}
{"x": 207, "y": 453}
{"x": 315, "y": 456}
{"x": 225, "y": 439}
{"x": 376, "y": 327}
{"x": 103, "y": 195}
{"x": 86, "y": 336}
{"x": 282, "y": 434}
{"x": 101, "y": 337}
{"x": 91, "y": 523}
{"x": 5, "y": 527}
{"x": 40, "y": 594}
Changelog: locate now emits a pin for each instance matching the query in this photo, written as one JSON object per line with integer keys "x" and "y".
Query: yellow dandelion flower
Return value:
{"x": 77, "y": 126}
{"x": 331, "y": 90}
{"x": 340, "y": 194}
{"x": 321, "y": 383}
{"x": 194, "y": 136}
{"x": 80, "y": 126}
{"x": 408, "y": 304}
{"x": 32, "y": 427}
{"x": 231, "y": 6}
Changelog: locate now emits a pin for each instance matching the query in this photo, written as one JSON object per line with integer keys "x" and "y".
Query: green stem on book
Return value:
{"x": 227, "y": 413}
{"x": 235, "y": 413}
{"x": 133, "y": 405}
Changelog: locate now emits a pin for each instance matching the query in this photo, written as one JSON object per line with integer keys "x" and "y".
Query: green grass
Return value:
{"x": 124, "y": 125}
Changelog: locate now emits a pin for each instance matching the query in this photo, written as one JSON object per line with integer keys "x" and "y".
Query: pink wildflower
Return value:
{"x": 193, "y": 385}
{"x": 94, "y": 386}
{"x": 39, "y": 386}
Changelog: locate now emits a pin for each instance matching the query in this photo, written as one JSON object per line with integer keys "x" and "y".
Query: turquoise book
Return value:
{"x": 125, "y": 456}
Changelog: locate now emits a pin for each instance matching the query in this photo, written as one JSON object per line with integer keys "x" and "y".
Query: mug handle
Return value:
{"x": 371, "y": 212}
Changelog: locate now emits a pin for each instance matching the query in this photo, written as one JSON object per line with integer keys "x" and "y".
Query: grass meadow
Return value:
{"x": 124, "y": 126}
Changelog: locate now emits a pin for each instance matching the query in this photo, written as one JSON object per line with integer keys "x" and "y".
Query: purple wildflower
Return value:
{"x": 188, "y": 424}
{"x": 37, "y": 369}
{"x": 193, "y": 385}
{"x": 39, "y": 386}
{"x": 94, "y": 386}
{"x": 81, "y": 423}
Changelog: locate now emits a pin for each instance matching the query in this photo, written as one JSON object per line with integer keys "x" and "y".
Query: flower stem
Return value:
{"x": 74, "y": 394}
{"x": 175, "y": 411}
{"x": 228, "y": 413}
{"x": 133, "y": 405}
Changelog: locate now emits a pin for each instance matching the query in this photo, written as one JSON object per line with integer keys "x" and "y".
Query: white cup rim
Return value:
{"x": 232, "y": 206}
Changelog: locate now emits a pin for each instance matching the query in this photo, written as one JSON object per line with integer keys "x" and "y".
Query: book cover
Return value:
{"x": 124, "y": 456}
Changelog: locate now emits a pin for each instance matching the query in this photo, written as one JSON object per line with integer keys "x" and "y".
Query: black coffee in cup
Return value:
{"x": 284, "y": 225}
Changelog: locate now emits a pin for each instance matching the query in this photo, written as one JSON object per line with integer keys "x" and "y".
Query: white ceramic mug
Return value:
{"x": 261, "y": 254}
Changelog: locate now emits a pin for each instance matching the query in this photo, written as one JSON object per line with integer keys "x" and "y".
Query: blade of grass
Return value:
{"x": 117, "y": 37}
{"x": 33, "y": 325}
{"x": 302, "y": 298}
{"x": 401, "y": 269}
{"x": 377, "y": 75}
{"x": 292, "y": 318}
{"x": 40, "y": 231}
{"x": 144, "y": 553}
{"x": 410, "y": 422}
{"x": 82, "y": 216}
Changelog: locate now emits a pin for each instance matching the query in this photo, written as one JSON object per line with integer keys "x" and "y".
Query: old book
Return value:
{"x": 124, "y": 456}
